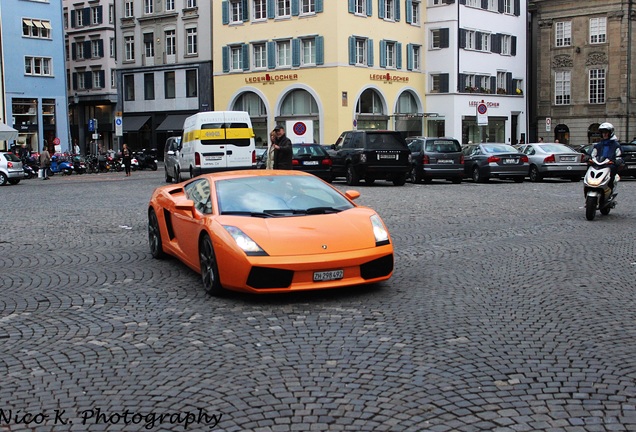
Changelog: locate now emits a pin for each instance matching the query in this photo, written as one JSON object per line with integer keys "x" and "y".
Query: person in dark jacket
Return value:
{"x": 126, "y": 155}
{"x": 608, "y": 148}
{"x": 282, "y": 150}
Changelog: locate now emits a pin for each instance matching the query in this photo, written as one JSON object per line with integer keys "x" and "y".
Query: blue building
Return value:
{"x": 35, "y": 101}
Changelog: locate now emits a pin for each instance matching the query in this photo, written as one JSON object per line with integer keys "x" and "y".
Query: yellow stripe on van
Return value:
{"x": 214, "y": 134}
{"x": 239, "y": 133}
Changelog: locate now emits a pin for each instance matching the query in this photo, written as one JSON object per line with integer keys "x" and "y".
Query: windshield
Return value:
{"x": 499, "y": 148}
{"x": 270, "y": 196}
{"x": 556, "y": 148}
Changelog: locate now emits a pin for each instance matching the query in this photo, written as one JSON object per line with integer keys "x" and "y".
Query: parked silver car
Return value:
{"x": 554, "y": 160}
{"x": 171, "y": 155}
{"x": 11, "y": 170}
{"x": 486, "y": 160}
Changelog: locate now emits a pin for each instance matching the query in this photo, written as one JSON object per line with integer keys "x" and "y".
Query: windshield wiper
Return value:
{"x": 249, "y": 213}
{"x": 322, "y": 210}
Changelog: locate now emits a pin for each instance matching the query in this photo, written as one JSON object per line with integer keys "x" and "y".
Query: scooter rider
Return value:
{"x": 608, "y": 148}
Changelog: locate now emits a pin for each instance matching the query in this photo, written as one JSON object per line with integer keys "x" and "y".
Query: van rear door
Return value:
{"x": 239, "y": 141}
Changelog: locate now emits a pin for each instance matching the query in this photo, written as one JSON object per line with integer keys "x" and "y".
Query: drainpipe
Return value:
{"x": 629, "y": 67}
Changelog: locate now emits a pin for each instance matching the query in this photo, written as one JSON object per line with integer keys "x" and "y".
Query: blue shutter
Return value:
{"x": 73, "y": 18}
{"x": 295, "y": 8}
{"x": 319, "y": 6}
{"x": 100, "y": 44}
{"x": 271, "y": 8}
{"x": 398, "y": 56}
{"x": 517, "y": 10}
{"x": 352, "y": 6}
{"x": 271, "y": 55}
{"x": 513, "y": 45}
{"x": 73, "y": 51}
{"x": 370, "y": 52}
{"x": 295, "y": 45}
{"x": 409, "y": 56}
{"x": 409, "y": 11}
{"x": 245, "y": 11}
{"x": 320, "y": 50}
{"x": 369, "y": 7}
{"x": 352, "y": 50}
{"x": 88, "y": 80}
{"x": 86, "y": 12}
{"x": 88, "y": 52}
{"x": 493, "y": 85}
{"x": 397, "y": 10}
{"x": 246, "y": 56}
{"x": 226, "y": 59}
{"x": 100, "y": 14}
{"x": 383, "y": 53}
{"x": 225, "y": 8}
{"x": 381, "y": 9}
{"x": 102, "y": 78}
{"x": 74, "y": 80}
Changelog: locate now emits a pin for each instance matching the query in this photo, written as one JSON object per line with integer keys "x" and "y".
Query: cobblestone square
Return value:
{"x": 507, "y": 311}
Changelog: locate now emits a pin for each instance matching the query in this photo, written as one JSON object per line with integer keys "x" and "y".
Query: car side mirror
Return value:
{"x": 187, "y": 205}
{"x": 352, "y": 194}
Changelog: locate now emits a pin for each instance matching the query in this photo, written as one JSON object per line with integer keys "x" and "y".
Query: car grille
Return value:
{"x": 377, "y": 268}
{"x": 264, "y": 277}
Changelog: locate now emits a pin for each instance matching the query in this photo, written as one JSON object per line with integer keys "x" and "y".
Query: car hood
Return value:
{"x": 307, "y": 235}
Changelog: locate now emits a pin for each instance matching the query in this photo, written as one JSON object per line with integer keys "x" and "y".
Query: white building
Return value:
{"x": 476, "y": 56}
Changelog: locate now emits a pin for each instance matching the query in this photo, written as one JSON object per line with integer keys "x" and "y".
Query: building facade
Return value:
{"x": 320, "y": 67}
{"x": 90, "y": 70}
{"x": 476, "y": 61}
{"x": 164, "y": 67}
{"x": 35, "y": 83}
{"x": 582, "y": 63}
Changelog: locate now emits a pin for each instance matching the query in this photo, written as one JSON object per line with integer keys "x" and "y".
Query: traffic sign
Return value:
{"x": 482, "y": 114}
{"x": 91, "y": 125}
{"x": 119, "y": 130}
{"x": 548, "y": 124}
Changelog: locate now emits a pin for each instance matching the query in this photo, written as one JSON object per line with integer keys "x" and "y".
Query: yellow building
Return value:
{"x": 319, "y": 67}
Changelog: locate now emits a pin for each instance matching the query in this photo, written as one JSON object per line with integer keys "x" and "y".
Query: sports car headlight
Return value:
{"x": 249, "y": 246}
{"x": 379, "y": 231}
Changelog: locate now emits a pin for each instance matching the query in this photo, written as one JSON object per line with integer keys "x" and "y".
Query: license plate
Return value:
{"x": 568, "y": 158}
{"x": 213, "y": 158}
{"x": 387, "y": 156}
{"x": 445, "y": 161}
{"x": 510, "y": 161}
{"x": 328, "y": 275}
{"x": 310, "y": 162}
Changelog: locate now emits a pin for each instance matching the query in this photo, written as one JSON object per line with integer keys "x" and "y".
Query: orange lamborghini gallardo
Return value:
{"x": 264, "y": 231}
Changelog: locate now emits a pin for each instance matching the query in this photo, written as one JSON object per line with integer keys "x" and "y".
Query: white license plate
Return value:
{"x": 510, "y": 161}
{"x": 328, "y": 275}
{"x": 445, "y": 161}
{"x": 387, "y": 156}
{"x": 212, "y": 158}
{"x": 310, "y": 162}
{"x": 568, "y": 158}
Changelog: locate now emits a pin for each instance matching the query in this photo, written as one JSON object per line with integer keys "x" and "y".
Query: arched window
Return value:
{"x": 255, "y": 107}
{"x": 370, "y": 113}
{"x": 299, "y": 102}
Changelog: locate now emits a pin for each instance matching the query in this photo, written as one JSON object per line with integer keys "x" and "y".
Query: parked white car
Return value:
{"x": 10, "y": 169}
{"x": 553, "y": 160}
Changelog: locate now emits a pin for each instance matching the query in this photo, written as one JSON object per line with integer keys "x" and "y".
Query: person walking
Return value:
{"x": 126, "y": 156}
{"x": 282, "y": 150}
{"x": 45, "y": 162}
{"x": 270, "y": 150}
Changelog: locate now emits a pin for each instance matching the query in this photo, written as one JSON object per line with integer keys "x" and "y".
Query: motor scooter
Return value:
{"x": 147, "y": 159}
{"x": 79, "y": 164}
{"x": 598, "y": 193}
{"x": 60, "y": 165}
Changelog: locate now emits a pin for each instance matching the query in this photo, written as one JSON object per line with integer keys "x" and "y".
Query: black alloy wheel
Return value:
{"x": 209, "y": 268}
{"x": 154, "y": 236}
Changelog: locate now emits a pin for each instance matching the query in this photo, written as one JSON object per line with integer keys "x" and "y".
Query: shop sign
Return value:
{"x": 271, "y": 78}
{"x": 474, "y": 104}
{"x": 388, "y": 78}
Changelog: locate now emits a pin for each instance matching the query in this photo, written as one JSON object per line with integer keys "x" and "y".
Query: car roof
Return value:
{"x": 225, "y": 175}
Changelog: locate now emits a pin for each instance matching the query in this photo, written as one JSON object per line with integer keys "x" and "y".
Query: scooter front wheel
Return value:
{"x": 590, "y": 207}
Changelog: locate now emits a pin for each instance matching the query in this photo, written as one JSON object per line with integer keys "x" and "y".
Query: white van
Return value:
{"x": 217, "y": 141}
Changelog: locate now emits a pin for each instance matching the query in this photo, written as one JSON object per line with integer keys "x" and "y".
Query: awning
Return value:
{"x": 27, "y": 22}
{"x": 37, "y": 23}
{"x": 133, "y": 124}
{"x": 7, "y": 133}
{"x": 173, "y": 122}
{"x": 47, "y": 25}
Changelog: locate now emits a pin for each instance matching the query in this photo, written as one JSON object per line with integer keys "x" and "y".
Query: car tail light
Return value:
{"x": 295, "y": 162}
{"x": 461, "y": 159}
{"x": 549, "y": 159}
{"x": 326, "y": 162}
{"x": 10, "y": 164}
{"x": 493, "y": 159}
{"x": 425, "y": 159}
{"x": 197, "y": 158}
{"x": 254, "y": 157}
{"x": 524, "y": 159}
{"x": 583, "y": 157}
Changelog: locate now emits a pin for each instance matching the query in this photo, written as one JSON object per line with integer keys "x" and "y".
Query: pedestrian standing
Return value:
{"x": 126, "y": 156}
{"x": 282, "y": 150}
{"x": 45, "y": 162}
{"x": 270, "y": 150}
{"x": 76, "y": 147}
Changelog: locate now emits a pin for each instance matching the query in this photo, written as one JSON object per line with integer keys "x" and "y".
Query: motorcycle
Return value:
{"x": 30, "y": 167}
{"x": 147, "y": 159}
{"x": 60, "y": 165}
{"x": 79, "y": 165}
{"x": 598, "y": 194}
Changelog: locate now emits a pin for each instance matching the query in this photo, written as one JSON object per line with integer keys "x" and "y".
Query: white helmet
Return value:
{"x": 608, "y": 127}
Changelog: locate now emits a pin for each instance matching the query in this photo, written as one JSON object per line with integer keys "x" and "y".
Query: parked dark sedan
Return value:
{"x": 435, "y": 158}
{"x": 629, "y": 156}
{"x": 486, "y": 160}
{"x": 314, "y": 159}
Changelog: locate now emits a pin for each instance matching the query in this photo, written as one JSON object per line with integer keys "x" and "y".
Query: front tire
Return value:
{"x": 590, "y": 207}
{"x": 209, "y": 267}
{"x": 154, "y": 236}
{"x": 3, "y": 179}
{"x": 353, "y": 179}
{"x": 400, "y": 180}
{"x": 414, "y": 175}
{"x": 477, "y": 177}
{"x": 14, "y": 181}
{"x": 606, "y": 210}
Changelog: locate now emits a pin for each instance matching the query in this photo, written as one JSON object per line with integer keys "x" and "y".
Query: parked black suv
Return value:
{"x": 371, "y": 155}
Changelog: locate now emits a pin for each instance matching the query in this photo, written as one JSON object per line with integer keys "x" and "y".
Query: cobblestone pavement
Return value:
{"x": 508, "y": 311}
